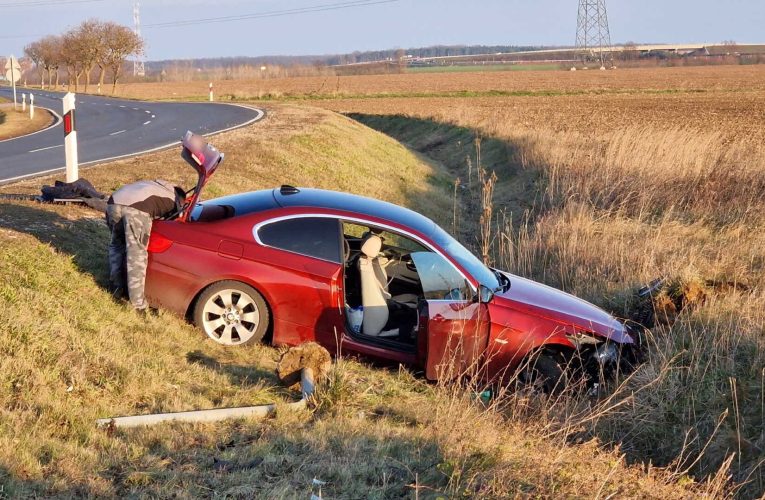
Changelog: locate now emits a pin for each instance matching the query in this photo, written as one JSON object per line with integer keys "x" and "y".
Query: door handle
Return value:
{"x": 335, "y": 290}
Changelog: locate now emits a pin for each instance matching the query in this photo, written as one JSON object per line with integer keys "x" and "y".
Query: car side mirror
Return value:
{"x": 485, "y": 294}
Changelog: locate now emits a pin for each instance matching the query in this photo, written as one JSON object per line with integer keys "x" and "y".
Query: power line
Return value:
{"x": 273, "y": 13}
{"x": 45, "y": 3}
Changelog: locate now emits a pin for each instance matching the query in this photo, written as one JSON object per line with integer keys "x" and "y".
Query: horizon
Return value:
{"x": 370, "y": 25}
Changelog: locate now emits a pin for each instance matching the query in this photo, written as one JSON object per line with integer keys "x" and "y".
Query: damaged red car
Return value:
{"x": 293, "y": 265}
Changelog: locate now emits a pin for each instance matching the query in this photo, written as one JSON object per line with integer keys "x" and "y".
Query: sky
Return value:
{"x": 382, "y": 25}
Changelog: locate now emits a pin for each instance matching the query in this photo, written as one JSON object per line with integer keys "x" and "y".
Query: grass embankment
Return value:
{"x": 14, "y": 123}
{"x": 600, "y": 212}
{"x": 72, "y": 354}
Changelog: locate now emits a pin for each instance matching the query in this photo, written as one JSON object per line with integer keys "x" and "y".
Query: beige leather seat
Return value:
{"x": 374, "y": 290}
{"x": 374, "y": 297}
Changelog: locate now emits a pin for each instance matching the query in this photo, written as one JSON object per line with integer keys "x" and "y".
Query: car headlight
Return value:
{"x": 606, "y": 353}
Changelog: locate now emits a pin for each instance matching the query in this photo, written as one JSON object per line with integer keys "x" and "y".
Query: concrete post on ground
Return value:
{"x": 211, "y": 92}
{"x": 70, "y": 138}
{"x": 99, "y": 88}
{"x": 31, "y": 106}
{"x": 23, "y": 102}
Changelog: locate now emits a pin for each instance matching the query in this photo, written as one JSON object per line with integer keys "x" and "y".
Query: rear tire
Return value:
{"x": 232, "y": 313}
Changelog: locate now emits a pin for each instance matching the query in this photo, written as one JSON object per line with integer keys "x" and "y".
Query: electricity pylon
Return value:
{"x": 139, "y": 68}
{"x": 593, "y": 38}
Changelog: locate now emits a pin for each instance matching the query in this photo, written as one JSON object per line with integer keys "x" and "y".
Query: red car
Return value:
{"x": 297, "y": 265}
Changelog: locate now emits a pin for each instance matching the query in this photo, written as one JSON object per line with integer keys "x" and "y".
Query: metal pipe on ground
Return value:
{"x": 307, "y": 385}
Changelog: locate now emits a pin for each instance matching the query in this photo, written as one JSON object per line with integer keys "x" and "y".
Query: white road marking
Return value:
{"x": 49, "y": 147}
{"x": 107, "y": 104}
{"x": 153, "y": 116}
{"x": 117, "y": 133}
{"x": 147, "y": 122}
{"x": 136, "y": 109}
{"x": 122, "y": 106}
{"x": 147, "y": 112}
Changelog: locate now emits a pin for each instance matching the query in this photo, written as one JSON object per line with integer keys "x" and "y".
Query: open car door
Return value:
{"x": 454, "y": 327}
{"x": 205, "y": 159}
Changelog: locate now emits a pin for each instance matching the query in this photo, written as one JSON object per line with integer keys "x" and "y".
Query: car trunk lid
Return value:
{"x": 204, "y": 158}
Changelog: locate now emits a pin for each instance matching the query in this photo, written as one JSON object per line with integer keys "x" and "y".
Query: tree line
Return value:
{"x": 93, "y": 44}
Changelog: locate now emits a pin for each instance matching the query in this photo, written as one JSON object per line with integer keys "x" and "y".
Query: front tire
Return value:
{"x": 545, "y": 371}
{"x": 232, "y": 313}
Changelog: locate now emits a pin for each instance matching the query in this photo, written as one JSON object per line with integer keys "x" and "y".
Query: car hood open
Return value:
{"x": 541, "y": 300}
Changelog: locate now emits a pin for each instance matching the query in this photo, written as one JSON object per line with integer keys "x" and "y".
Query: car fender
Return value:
{"x": 509, "y": 345}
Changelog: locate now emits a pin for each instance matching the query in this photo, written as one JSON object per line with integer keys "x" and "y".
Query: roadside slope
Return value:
{"x": 71, "y": 354}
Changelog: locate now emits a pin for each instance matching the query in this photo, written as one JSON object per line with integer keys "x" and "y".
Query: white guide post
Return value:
{"x": 23, "y": 102}
{"x": 211, "y": 92}
{"x": 31, "y": 106}
{"x": 70, "y": 138}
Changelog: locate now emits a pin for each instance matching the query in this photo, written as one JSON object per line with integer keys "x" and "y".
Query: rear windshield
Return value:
{"x": 233, "y": 206}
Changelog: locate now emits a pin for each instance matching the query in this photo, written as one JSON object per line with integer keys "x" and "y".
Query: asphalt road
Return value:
{"x": 109, "y": 128}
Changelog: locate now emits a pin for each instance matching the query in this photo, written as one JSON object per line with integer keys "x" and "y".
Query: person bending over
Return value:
{"x": 129, "y": 214}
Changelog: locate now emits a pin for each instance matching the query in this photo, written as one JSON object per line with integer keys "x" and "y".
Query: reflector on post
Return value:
{"x": 70, "y": 138}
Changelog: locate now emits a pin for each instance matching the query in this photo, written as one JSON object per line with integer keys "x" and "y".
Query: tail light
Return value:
{"x": 159, "y": 243}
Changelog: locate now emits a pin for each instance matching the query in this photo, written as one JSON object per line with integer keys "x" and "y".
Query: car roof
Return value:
{"x": 289, "y": 197}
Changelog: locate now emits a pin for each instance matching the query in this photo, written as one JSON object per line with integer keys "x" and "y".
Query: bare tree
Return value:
{"x": 73, "y": 47}
{"x": 57, "y": 57}
{"x": 34, "y": 52}
{"x": 120, "y": 42}
{"x": 90, "y": 38}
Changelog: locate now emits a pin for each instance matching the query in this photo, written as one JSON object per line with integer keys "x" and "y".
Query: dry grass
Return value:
{"x": 16, "y": 123}
{"x": 603, "y": 193}
{"x": 72, "y": 354}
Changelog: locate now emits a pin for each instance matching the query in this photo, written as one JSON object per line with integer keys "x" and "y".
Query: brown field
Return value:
{"x": 733, "y": 115}
{"x": 15, "y": 123}
{"x": 728, "y": 78}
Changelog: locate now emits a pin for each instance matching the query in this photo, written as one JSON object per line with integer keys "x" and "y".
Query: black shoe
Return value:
{"x": 119, "y": 293}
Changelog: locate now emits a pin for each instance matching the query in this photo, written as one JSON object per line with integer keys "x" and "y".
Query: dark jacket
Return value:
{"x": 156, "y": 198}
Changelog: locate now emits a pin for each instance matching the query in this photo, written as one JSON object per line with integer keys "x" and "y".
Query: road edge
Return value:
{"x": 56, "y": 121}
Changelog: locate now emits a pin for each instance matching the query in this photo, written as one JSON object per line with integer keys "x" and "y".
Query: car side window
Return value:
{"x": 440, "y": 280}
{"x": 317, "y": 237}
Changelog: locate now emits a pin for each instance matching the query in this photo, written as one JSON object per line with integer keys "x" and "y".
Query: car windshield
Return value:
{"x": 466, "y": 259}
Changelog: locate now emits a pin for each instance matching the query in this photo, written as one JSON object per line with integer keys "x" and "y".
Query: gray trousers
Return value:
{"x": 128, "y": 255}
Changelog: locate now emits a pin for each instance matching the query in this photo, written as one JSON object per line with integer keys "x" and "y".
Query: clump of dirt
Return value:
{"x": 308, "y": 355}
{"x": 671, "y": 296}
{"x": 677, "y": 295}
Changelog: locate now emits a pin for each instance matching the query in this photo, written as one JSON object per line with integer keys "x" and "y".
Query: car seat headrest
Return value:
{"x": 371, "y": 245}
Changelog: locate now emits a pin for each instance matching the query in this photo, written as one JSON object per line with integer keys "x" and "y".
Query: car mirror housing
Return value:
{"x": 485, "y": 294}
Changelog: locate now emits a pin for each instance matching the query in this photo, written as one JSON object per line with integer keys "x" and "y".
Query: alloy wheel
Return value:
{"x": 230, "y": 317}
